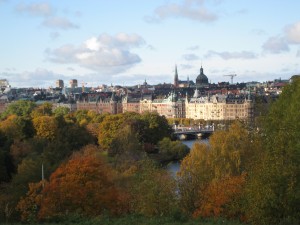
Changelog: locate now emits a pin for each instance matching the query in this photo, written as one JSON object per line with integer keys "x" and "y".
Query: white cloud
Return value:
{"x": 58, "y": 22}
{"x": 281, "y": 43}
{"x": 108, "y": 54}
{"x": 46, "y": 11}
{"x": 35, "y": 9}
{"x": 189, "y": 9}
{"x": 293, "y": 33}
{"x": 276, "y": 45}
{"x": 231, "y": 55}
{"x": 190, "y": 57}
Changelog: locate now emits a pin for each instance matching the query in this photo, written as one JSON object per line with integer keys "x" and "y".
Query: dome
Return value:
{"x": 201, "y": 78}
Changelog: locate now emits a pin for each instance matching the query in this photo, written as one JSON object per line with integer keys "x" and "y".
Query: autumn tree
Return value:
{"x": 42, "y": 110}
{"x": 222, "y": 198}
{"x": 83, "y": 185}
{"x": 17, "y": 127}
{"x": 45, "y": 126}
{"x": 230, "y": 150}
{"x": 29, "y": 205}
{"x": 108, "y": 129}
{"x": 193, "y": 177}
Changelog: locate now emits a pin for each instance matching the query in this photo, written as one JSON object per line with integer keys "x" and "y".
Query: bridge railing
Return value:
{"x": 194, "y": 129}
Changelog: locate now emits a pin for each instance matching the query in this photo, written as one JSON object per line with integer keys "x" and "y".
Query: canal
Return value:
{"x": 173, "y": 167}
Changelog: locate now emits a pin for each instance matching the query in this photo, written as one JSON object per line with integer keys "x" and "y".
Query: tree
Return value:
{"x": 153, "y": 191}
{"x": 193, "y": 177}
{"x": 274, "y": 182}
{"x": 17, "y": 127}
{"x": 61, "y": 111}
{"x": 157, "y": 127}
{"x": 42, "y": 110}
{"x": 19, "y": 108}
{"x": 222, "y": 198}
{"x": 5, "y": 173}
{"x": 29, "y": 205}
{"x": 83, "y": 185}
{"x": 19, "y": 150}
{"x": 108, "y": 129}
{"x": 171, "y": 150}
{"x": 126, "y": 149}
{"x": 229, "y": 151}
{"x": 45, "y": 126}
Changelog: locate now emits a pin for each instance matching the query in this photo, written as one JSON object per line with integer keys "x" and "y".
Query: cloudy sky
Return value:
{"x": 127, "y": 41}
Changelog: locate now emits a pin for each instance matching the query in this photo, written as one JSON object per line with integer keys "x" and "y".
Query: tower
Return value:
{"x": 59, "y": 83}
{"x": 176, "y": 81}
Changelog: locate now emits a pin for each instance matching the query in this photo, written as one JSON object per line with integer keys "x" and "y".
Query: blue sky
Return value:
{"x": 127, "y": 41}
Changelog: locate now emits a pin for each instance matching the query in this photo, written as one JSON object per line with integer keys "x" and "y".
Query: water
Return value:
{"x": 173, "y": 167}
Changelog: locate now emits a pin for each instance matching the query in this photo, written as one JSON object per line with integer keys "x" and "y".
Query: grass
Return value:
{"x": 138, "y": 220}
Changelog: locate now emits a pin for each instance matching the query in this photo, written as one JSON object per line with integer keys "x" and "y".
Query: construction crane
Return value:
{"x": 232, "y": 76}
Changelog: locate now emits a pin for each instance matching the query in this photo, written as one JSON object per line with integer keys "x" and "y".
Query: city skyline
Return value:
{"x": 126, "y": 42}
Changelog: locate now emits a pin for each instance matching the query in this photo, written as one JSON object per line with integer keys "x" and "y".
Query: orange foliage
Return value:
{"x": 220, "y": 198}
{"x": 83, "y": 185}
{"x": 29, "y": 205}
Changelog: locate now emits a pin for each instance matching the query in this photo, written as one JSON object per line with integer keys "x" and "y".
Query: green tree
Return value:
{"x": 19, "y": 108}
{"x": 61, "y": 111}
{"x": 171, "y": 150}
{"x": 273, "y": 189}
{"x": 153, "y": 191}
{"x": 126, "y": 149}
{"x": 157, "y": 127}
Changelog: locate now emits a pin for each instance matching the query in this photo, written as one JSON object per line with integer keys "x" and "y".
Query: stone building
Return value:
{"x": 218, "y": 107}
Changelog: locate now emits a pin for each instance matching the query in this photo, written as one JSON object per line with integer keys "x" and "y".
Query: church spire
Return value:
{"x": 201, "y": 70}
{"x": 176, "y": 77}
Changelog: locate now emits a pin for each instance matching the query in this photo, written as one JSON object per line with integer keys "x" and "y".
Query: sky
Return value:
{"x": 125, "y": 42}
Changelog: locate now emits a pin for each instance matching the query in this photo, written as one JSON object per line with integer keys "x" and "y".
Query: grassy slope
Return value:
{"x": 140, "y": 220}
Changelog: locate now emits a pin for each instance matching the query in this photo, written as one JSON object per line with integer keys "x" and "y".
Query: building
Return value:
{"x": 60, "y": 84}
{"x": 101, "y": 104}
{"x": 181, "y": 83}
{"x": 218, "y": 107}
{"x": 73, "y": 83}
{"x": 201, "y": 80}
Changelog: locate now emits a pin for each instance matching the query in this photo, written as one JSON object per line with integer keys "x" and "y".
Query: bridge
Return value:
{"x": 186, "y": 133}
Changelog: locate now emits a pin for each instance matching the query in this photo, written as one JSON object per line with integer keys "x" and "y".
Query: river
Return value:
{"x": 173, "y": 167}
